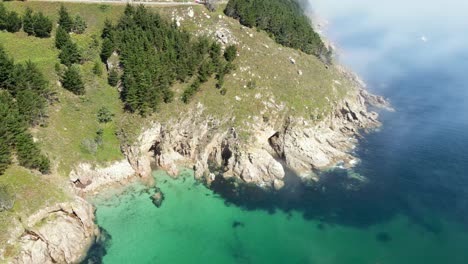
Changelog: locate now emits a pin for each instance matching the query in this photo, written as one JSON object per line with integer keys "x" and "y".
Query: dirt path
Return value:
{"x": 123, "y": 2}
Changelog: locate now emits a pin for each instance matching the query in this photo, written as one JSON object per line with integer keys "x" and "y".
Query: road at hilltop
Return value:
{"x": 123, "y": 2}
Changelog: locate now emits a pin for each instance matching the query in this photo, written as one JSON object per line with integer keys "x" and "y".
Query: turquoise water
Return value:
{"x": 195, "y": 226}
{"x": 414, "y": 207}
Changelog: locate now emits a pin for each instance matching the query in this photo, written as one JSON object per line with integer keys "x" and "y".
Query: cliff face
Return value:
{"x": 208, "y": 145}
{"x": 58, "y": 234}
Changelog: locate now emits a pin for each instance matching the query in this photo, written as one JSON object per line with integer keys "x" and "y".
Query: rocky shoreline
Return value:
{"x": 63, "y": 233}
{"x": 193, "y": 141}
{"x": 297, "y": 144}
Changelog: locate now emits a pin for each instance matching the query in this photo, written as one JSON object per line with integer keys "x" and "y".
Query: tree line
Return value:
{"x": 69, "y": 54}
{"x": 284, "y": 20}
{"x": 154, "y": 53}
{"x": 23, "y": 100}
{"x": 34, "y": 24}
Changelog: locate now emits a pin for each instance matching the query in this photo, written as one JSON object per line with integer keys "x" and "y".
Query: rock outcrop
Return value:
{"x": 58, "y": 234}
{"x": 301, "y": 144}
{"x": 87, "y": 178}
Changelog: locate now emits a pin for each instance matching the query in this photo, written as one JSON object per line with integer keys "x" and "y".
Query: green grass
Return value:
{"x": 262, "y": 60}
{"x": 73, "y": 118}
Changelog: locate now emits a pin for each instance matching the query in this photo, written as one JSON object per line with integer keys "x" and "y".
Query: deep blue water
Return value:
{"x": 420, "y": 157}
{"x": 414, "y": 206}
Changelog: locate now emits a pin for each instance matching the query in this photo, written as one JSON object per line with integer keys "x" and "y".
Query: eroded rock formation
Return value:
{"x": 58, "y": 234}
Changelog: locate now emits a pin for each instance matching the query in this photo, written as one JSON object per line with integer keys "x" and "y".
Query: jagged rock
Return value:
{"x": 278, "y": 184}
{"x": 87, "y": 179}
{"x": 194, "y": 140}
{"x": 58, "y": 234}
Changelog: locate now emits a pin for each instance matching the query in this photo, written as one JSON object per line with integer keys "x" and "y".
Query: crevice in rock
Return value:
{"x": 226, "y": 153}
{"x": 275, "y": 143}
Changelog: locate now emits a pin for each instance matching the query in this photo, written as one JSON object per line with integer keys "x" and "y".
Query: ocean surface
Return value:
{"x": 413, "y": 207}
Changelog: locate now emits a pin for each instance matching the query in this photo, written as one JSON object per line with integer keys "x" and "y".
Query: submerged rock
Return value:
{"x": 157, "y": 198}
{"x": 383, "y": 237}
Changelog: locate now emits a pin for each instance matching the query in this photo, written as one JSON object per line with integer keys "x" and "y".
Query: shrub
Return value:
{"x": 6, "y": 199}
{"x": 104, "y": 115}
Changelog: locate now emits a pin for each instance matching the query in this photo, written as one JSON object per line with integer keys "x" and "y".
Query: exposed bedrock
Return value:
{"x": 301, "y": 144}
{"x": 58, "y": 234}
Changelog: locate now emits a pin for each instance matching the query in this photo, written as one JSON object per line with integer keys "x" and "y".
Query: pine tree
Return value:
{"x": 69, "y": 54}
{"x": 79, "y": 25}
{"x": 11, "y": 123}
{"x": 14, "y": 22}
{"x": 34, "y": 80}
{"x": 113, "y": 78}
{"x": 230, "y": 53}
{"x": 65, "y": 20}
{"x": 31, "y": 106}
{"x": 108, "y": 27}
{"x": 61, "y": 37}
{"x": 3, "y": 17}
{"x": 42, "y": 25}
{"x": 4, "y": 155}
{"x": 29, "y": 154}
{"x": 6, "y": 68}
{"x": 72, "y": 81}
{"x": 107, "y": 49}
{"x": 28, "y": 21}
{"x": 97, "y": 68}
{"x": 104, "y": 115}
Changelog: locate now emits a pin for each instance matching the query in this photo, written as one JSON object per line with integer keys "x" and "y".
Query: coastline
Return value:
{"x": 296, "y": 143}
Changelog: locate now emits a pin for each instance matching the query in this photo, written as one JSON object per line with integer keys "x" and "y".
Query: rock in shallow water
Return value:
{"x": 157, "y": 198}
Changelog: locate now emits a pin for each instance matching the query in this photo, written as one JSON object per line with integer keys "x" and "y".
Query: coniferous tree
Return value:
{"x": 28, "y": 76}
{"x": 108, "y": 27}
{"x": 22, "y": 101}
{"x": 65, "y": 20}
{"x": 69, "y": 54}
{"x": 14, "y": 22}
{"x": 6, "y": 69}
{"x": 284, "y": 20}
{"x": 5, "y": 155}
{"x": 42, "y": 25}
{"x": 29, "y": 154}
{"x": 113, "y": 78}
{"x": 72, "y": 80}
{"x": 97, "y": 68}
{"x": 153, "y": 54}
{"x": 104, "y": 115}
{"x": 3, "y": 17}
{"x": 61, "y": 37}
{"x": 28, "y": 21}
{"x": 11, "y": 123}
{"x": 79, "y": 25}
{"x": 107, "y": 49}
{"x": 230, "y": 53}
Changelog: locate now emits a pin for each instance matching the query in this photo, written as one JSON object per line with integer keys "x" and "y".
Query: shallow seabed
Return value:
{"x": 194, "y": 225}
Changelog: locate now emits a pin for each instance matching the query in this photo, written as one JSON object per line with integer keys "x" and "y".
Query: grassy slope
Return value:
{"x": 73, "y": 119}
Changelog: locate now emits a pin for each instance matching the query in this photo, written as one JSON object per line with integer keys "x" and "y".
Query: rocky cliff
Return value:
{"x": 58, "y": 234}
{"x": 210, "y": 145}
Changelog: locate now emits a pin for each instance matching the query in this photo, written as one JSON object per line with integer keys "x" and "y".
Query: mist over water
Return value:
{"x": 416, "y": 54}
{"x": 414, "y": 207}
